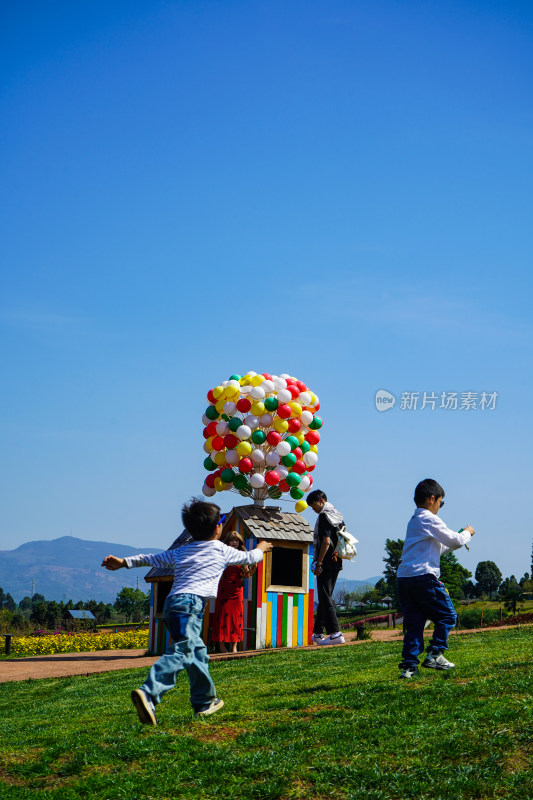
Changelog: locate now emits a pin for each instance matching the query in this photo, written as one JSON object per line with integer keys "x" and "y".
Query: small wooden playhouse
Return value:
{"x": 278, "y": 598}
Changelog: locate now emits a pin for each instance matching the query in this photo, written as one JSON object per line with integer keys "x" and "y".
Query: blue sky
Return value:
{"x": 340, "y": 191}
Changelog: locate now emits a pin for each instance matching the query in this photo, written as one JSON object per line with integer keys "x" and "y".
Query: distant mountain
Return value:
{"x": 69, "y": 569}
{"x": 351, "y": 586}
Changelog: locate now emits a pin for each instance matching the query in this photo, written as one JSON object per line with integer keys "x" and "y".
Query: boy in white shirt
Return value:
{"x": 198, "y": 566}
{"x": 421, "y": 594}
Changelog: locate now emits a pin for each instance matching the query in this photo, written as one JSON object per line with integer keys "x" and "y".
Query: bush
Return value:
{"x": 471, "y": 617}
{"x": 40, "y": 645}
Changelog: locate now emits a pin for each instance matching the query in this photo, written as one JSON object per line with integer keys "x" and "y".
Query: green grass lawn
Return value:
{"x": 332, "y": 722}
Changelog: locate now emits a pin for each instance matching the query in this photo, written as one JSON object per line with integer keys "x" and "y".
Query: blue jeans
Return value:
{"x": 421, "y": 598}
{"x": 183, "y": 615}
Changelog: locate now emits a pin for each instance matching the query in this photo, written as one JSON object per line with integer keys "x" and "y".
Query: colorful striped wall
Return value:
{"x": 271, "y": 619}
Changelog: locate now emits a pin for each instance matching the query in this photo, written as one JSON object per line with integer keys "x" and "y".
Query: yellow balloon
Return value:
{"x": 300, "y": 506}
{"x": 244, "y": 381}
{"x": 219, "y": 458}
{"x": 219, "y": 485}
{"x": 296, "y": 409}
{"x": 314, "y": 448}
{"x": 313, "y": 398}
{"x": 209, "y": 443}
{"x": 300, "y": 436}
{"x": 231, "y": 391}
{"x": 257, "y": 380}
{"x": 219, "y": 405}
{"x": 243, "y": 448}
{"x": 258, "y": 408}
{"x": 280, "y": 425}
{"x": 217, "y": 391}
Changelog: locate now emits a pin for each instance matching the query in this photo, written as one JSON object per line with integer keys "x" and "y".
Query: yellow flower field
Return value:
{"x": 79, "y": 643}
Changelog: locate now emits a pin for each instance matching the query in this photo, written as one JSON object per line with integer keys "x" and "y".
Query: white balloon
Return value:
{"x": 257, "y": 456}
{"x": 305, "y": 483}
{"x": 257, "y": 392}
{"x": 243, "y": 432}
{"x": 265, "y": 421}
{"x": 250, "y": 375}
{"x": 234, "y": 383}
{"x": 206, "y": 420}
{"x": 230, "y": 407}
{"x": 282, "y": 471}
{"x": 268, "y": 386}
{"x": 222, "y": 427}
{"x": 272, "y": 459}
{"x": 251, "y": 420}
{"x": 317, "y": 400}
{"x": 206, "y": 448}
{"x": 279, "y": 383}
{"x": 284, "y": 396}
{"x": 232, "y": 457}
{"x": 246, "y": 389}
{"x": 283, "y": 448}
{"x": 257, "y": 480}
{"x": 306, "y": 417}
{"x": 304, "y": 398}
{"x": 284, "y": 375}
{"x": 208, "y": 491}
{"x": 310, "y": 458}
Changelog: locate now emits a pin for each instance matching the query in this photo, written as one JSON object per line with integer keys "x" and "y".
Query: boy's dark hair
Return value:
{"x": 200, "y": 518}
{"x": 426, "y": 489}
{"x": 315, "y": 496}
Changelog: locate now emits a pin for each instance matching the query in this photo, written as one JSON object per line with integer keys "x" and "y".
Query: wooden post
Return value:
{"x": 7, "y": 637}
{"x": 481, "y": 619}
{"x": 500, "y": 613}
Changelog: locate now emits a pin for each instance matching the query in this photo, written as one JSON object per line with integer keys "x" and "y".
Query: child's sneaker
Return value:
{"x": 437, "y": 661}
{"x": 208, "y": 708}
{"x": 144, "y": 707}
{"x": 408, "y": 672}
{"x": 317, "y": 638}
{"x": 333, "y": 638}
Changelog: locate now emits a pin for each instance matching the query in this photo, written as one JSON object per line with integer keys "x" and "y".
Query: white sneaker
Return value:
{"x": 334, "y": 638}
{"x": 408, "y": 672}
{"x": 144, "y": 707}
{"x": 317, "y": 638}
{"x": 437, "y": 662}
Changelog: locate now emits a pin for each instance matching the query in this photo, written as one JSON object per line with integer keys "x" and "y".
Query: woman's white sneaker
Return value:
{"x": 334, "y": 638}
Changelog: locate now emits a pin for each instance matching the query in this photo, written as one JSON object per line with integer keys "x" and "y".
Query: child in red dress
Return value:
{"x": 229, "y": 606}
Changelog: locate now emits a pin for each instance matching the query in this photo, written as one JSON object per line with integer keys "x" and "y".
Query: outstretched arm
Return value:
{"x": 112, "y": 562}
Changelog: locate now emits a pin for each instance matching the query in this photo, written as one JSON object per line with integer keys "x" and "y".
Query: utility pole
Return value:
{"x": 32, "y": 587}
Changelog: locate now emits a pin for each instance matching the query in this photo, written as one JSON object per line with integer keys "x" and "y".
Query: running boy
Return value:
{"x": 197, "y": 566}
{"x": 422, "y": 595}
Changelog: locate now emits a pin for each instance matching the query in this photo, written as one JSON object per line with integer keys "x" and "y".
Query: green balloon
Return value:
{"x": 305, "y": 447}
{"x": 293, "y": 441}
{"x": 271, "y": 403}
{"x": 297, "y": 494}
{"x": 235, "y": 378}
{"x": 240, "y": 482}
{"x": 211, "y": 412}
{"x": 258, "y": 437}
{"x": 289, "y": 460}
{"x": 225, "y": 416}
{"x": 209, "y": 464}
{"x": 234, "y": 423}
{"x": 227, "y": 475}
{"x": 316, "y": 423}
{"x": 274, "y": 492}
{"x": 293, "y": 479}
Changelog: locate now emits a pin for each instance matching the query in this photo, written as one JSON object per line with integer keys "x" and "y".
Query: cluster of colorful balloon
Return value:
{"x": 261, "y": 436}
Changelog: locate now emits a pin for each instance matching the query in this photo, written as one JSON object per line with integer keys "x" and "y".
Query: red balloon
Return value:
{"x": 206, "y": 433}
{"x": 301, "y": 386}
{"x": 230, "y": 441}
{"x": 289, "y": 381}
{"x": 316, "y": 407}
{"x": 284, "y": 411}
{"x": 294, "y": 425}
{"x": 272, "y": 477}
{"x": 211, "y": 397}
{"x": 310, "y": 478}
{"x": 245, "y": 465}
{"x": 218, "y": 472}
{"x": 244, "y": 405}
{"x": 284, "y": 486}
{"x": 313, "y": 437}
{"x": 218, "y": 443}
{"x": 299, "y": 467}
{"x": 310, "y": 469}
{"x": 267, "y": 377}
{"x": 273, "y": 438}
{"x": 212, "y": 428}
{"x": 297, "y": 452}
{"x": 293, "y": 389}
{"x": 210, "y": 481}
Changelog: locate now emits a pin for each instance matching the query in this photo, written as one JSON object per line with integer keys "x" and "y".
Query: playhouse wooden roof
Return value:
{"x": 270, "y": 522}
{"x": 267, "y": 522}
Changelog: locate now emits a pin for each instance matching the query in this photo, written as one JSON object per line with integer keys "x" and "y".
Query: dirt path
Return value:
{"x": 65, "y": 664}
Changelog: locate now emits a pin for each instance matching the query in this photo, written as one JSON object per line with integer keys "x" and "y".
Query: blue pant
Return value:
{"x": 421, "y": 598}
{"x": 183, "y": 615}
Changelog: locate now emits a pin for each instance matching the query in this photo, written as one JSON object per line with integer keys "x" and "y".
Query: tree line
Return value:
{"x": 130, "y": 605}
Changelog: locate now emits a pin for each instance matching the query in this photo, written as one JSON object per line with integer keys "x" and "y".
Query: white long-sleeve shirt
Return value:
{"x": 197, "y": 566}
{"x": 427, "y": 538}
